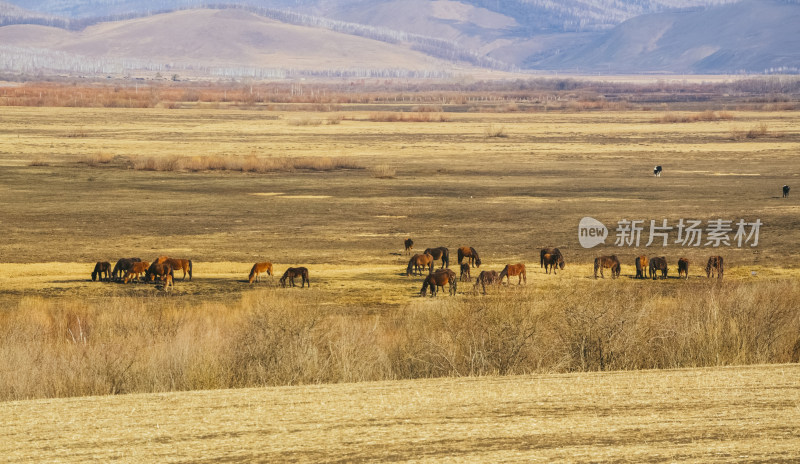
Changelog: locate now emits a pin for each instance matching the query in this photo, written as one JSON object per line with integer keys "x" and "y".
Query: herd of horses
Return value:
{"x": 653, "y": 267}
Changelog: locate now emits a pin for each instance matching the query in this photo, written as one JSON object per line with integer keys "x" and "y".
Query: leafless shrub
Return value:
{"x": 493, "y": 131}
{"x": 383, "y": 171}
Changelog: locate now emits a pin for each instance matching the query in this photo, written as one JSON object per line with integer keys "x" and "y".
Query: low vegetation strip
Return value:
{"x": 744, "y": 414}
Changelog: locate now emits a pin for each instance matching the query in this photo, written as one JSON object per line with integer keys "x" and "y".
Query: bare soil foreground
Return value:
{"x": 746, "y": 414}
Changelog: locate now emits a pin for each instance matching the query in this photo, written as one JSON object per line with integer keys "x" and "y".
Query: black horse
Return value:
{"x": 786, "y": 189}
{"x": 440, "y": 253}
{"x": 657, "y": 171}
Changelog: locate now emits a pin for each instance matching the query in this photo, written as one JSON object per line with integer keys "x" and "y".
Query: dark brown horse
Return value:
{"x": 512, "y": 270}
{"x": 465, "y": 277}
{"x": 137, "y": 268}
{"x": 552, "y": 260}
{"x": 440, "y": 253}
{"x": 552, "y": 251}
{"x": 293, "y": 272}
{"x": 683, "y": 268}
{"x": 603, "y": 262}
{"x": 659, "y": 263}
{"x": 438, "y": 279}
{"x": 100, "y": 269}
{"x": 471, "y": 254}
{"x": 715, "y": 265}
{"x": 123, "y": 265}
{"x": 409, "y": 244}
{"x": 177, "y": 263}
{"x": 419, "y": 262}
{"x": 641, "y": 267}
{"x": 158, "y": 271}
{"x": 486, "y": 278}
{"x": 258, "y": 269}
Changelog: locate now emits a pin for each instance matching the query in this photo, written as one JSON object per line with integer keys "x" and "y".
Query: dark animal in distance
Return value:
{"x": 471, "y": 254}
{"x": 486, "y": 278}
{"x": 419, "y": 262}
{"x": 258, "y": 269}
{"x": 550, "y": 256}
{"x": 409, "y": 244}
{"x": 641, "y": 267}
{"x": 178, "y": 263}
{"x": 715, "y": 265}
{"x": 512, "y": 270}
{"x": 440, "y": 253}
{"x": 657, "y": 171}
{"x": 100, "y": 269}
{"x": 293, "y": 272}
{"x": 683, "y": 268}
{"x": 438, "y": 279}
{"x": 603, "y": 262}
{"x": 786, "y": 189}
{"x": 465, "y": 277}
{"x": 658, "y": 263}
{"x": 122, "y": 266}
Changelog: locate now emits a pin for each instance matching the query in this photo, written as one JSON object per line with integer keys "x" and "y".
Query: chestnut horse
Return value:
{"x": 169, "y": 281}
{"x": 293, "y": 272}
{"x": 177, "y": 263}
{"x": 440, "y": 253}
{"x": 486, "y": 278}
{"x": 658, "y": 263}
{"x": 602, "y": 262}
{"x": 641, "y": 267}
{"x": 465, "y": 277}
{"x": 258, "y": 269}
{"x": 123, "y": 265}
{"x": 438, "y": 279}
{"x": 471, "y": 253}
{"x": 409, "y": 244}
{"x": 512, "y": 270}
{"x": 102, "y": 267}
{"x": 137, "y": 268}
{"x": 158, "y": 271}
{"x": 551, "y": 260}
{"x": 418, "y": 263}
{"x": 683, "y": 268}
{"x": 714, "y": 265}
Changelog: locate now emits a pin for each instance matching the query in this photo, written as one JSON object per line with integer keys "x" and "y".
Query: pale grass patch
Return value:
{"x": 383, "y": 171}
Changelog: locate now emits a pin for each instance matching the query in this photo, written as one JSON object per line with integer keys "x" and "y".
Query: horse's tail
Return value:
{"x": 541, "y": 258}
{"x": 305, "y": 277}
{"x": 190, "y": 269}
{"x": 445, "y": 257}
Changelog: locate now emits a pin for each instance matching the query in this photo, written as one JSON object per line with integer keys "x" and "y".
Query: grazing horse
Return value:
{"x": 293, "y": 272}
{"x": 258, "y": 269}
{"x": 158, "y": 271}
{"x": 551, "y": 261}
{"x": 714, "y": 265}
{"x": 123, "y": 265}
{"x": 683, "y": 268}
{"x": 658, "y": 263}
{"x": 512, "y": 270}
{"x": 486, "y": 278}
{"x": 137, "y": 268}
{"x": 465, "y": 277}
{"x": 409, "y": 244}
{"x": 102, "y": 267}
{"x": 471, "y": 253}
{"x": 657, "y": 171}
{"x": 169, "y": 281}
{"x": 611, "y": 262}
{"x": 786, "y": 189}
{"x": 418, "y": 263}
{"x": 438, "y": 279}
{"x": 177, "y": 263}
{"x": 641, "y": 267}
{"x": 440, "y": 253}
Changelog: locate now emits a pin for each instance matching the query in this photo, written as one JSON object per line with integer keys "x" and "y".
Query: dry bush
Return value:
{"x": 383, "y": 171}
{"x": 493, "y": 131}
{"x": 760, "y": 130}
{"x": 706, "y": 116}
{"x": 305, "y": 122}
{"x": 248, "y": 163}
{"x": 96, "y": 159}
{"x": 39, "y": 162}
{"x": 408, "y": 117}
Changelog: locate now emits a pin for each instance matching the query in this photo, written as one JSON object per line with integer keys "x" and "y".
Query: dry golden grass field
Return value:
{"x": 337, "y": 192}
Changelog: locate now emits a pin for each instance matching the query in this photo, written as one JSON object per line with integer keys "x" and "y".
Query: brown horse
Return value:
{"x": 137, "y": 268}
{"x": 603, "y": 262}
{"x": 486, "y": 278}
{"x": 641, "y": 267}
{"x": 552, "y": 251}
{"x": 438, "y": 279}
{"x": 293, "y": 272}
{"x": 100, "y": 269}
{"x": 169, "y": 281}
{"x": 658, "y": 263}
{"x": 409, "y": 244}
{"x": 683, "y": 268}
{"x": 440, "y": 253}
{"x": 177, "y": 263}
{"x": 471, "y": 254}
{"x": 123, "y": 265}
{"x": 512, "y": 270}
{"x": 465, "y": 277}
{"x": 158, "y": 271}
{"x": 551, "y": 260}
{"x": 258, "y": 269}
{"x": 715, "y": 265}
{"x": 419, "y": 262}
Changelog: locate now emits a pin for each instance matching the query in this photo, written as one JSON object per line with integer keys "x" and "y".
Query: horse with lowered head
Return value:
{"x": 293, "y": 272}
{"x": 486, "y": 278}
{"x": 137, "y": 268}
{"x": 512, "y": 270}
{"x": 122, "y": 266}
{"x": 465, "y": 277}
{"x": 603, "y": 262}
{"x": 658, "y": 263}
{"x": 158, "y": 271}
{"x": 419, "y": 262}
{"x": 683, "y": 268}
{"x": 641, "y": 267}
{"x": 258, "y": 269}
{"x": 440, "y": 253}
{"x": 100, "y": 269}
{"x": 177, "y": 263}
{"x": 471, "y": 254}
{"x": 438, "y": 279}
{"x": 715, "y": 265}
{"x": 549, "y": 257}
